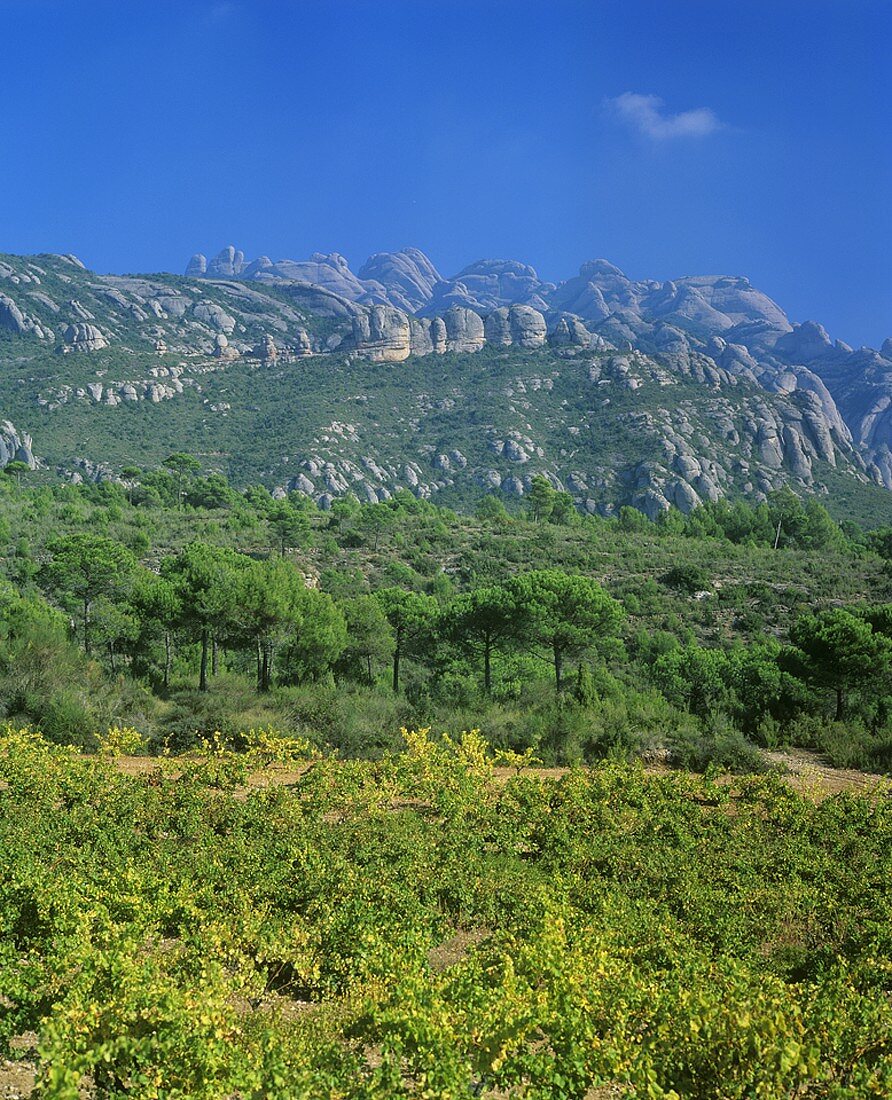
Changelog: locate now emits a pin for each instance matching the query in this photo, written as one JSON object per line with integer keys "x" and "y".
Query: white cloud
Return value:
{"x": 648, "y": 115}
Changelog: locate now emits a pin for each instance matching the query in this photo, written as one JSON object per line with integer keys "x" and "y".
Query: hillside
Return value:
{"x": 303, "y": 375}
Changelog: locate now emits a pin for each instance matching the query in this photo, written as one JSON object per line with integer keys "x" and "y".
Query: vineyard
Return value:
{"x": 428, "y": 926}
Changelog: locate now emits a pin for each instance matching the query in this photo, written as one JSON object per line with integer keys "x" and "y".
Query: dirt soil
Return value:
{"x": 16, "y": 1080}
{"x": 807, "y": 772}
{"x": 810, "y": 774}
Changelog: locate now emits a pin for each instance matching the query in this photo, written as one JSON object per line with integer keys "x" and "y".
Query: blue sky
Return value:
{"x": 671, "y": 136}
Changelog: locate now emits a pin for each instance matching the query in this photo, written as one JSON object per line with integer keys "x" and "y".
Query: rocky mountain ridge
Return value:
{"x": 772, "y": 402}
{"x": 723, "y": 317}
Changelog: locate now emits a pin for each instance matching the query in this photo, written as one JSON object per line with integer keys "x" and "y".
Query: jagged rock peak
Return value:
{"x": 228, "y": 263}
{"x": 197, "y": 266}
{"x": 498, "y": 268}
{"x": 592, "y": 268}
{"x": 806, "y": 342}
{"x": 408, "y": 276}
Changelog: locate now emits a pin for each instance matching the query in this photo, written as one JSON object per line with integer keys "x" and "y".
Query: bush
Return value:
{"x": 688, "y": 578}
{"x": 852, "y": 745}
{"x": 715, "y": 746}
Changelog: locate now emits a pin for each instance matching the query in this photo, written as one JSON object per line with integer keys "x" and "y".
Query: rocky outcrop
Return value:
{"x": 568, "y": 331}
{"x": 197, "y": 266}
{"x": 519, "y": 325}
{"x": 228, "y": 263}
{"x": 329, "y": 272}
{"x": 214, "y": 316}
{"x": 165, "y": 383}
{"x": 382, "y": 334}
{"x": 464, "y": 330}
{"x": 266, "y": 351}
{"x": 488, "y": 285}
{"x": 388, "y": 335}
{"x": 854, "y": 388}
{"x": 223, "y": 350}
{"x": 701, "y": 306}
{"x": 302, "y": 344}
{"x": 84, "y": 337}
{"x": 408, "y": 277}
{"x": 407, "y": 280}
{"x": 804, "y": 343}
{"x": 15, "y": 446}
{"x": 11, "y": 317}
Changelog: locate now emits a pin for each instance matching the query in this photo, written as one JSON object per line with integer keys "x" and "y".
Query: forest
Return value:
{"x": 176, "y": 605}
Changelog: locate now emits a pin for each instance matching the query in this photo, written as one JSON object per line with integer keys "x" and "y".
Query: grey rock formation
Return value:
{"x": 568, "y": 331}
{"x": 701, "y": 305}
{"x": 84, "y": 337}
{"x": 214, "y": 316}
{"x": 197, "y": 266}
{"x": 408, "y": 277}
{"x": 228, "y": 263}
{"x": 301, "y": 342}
{"x": 804, "y": 343}
{"x": 381, "y": 333}
{"x": 329, "y": 272}
{"x": 464, "y": 330}
{"x": 224, "y": 350}
{"x": 490, "y": 284}
{"x": 497, "y": 329}
{"x": 11, "y": 317}
{"x": 528, "y": 329}
{"x": 15, "y": 446}
{"x": 519, "y": 325}
{"x": 266, "y": 351}
{"x": 439, "y": 335}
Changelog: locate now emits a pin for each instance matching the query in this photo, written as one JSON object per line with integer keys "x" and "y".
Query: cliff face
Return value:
{"x": 705, "y": 381}
{"x": 15, "y": 446}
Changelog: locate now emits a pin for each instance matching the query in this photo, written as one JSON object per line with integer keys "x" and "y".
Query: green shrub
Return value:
{"x": 715, "y": 746}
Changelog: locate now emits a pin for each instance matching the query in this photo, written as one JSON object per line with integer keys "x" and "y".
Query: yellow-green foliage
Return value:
{"x": 424, "y": 927}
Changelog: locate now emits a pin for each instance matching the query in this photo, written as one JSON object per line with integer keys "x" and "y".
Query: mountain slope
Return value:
{"x": 305, "y": 375}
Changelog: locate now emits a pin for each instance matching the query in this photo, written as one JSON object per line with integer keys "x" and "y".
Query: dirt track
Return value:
{"x": 807, "y": 772}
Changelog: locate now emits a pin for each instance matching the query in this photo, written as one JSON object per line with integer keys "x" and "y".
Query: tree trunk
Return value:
{"x": 558, "y": 668}
{"x": 203, "y": 669}
{"x": 213, "y": 657}
{"x": 259, "y": 667}
{"x": 840, "y": 704}
{"x": 368, "y": 658}
{"x": 111, "y": 654}
{"x": 265, "y": 667}
{"x": 87, "y": 627}
{"x": 487, "y": 666}
{"x": 396, "y": 666}
{"x": 166, "y": 659}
